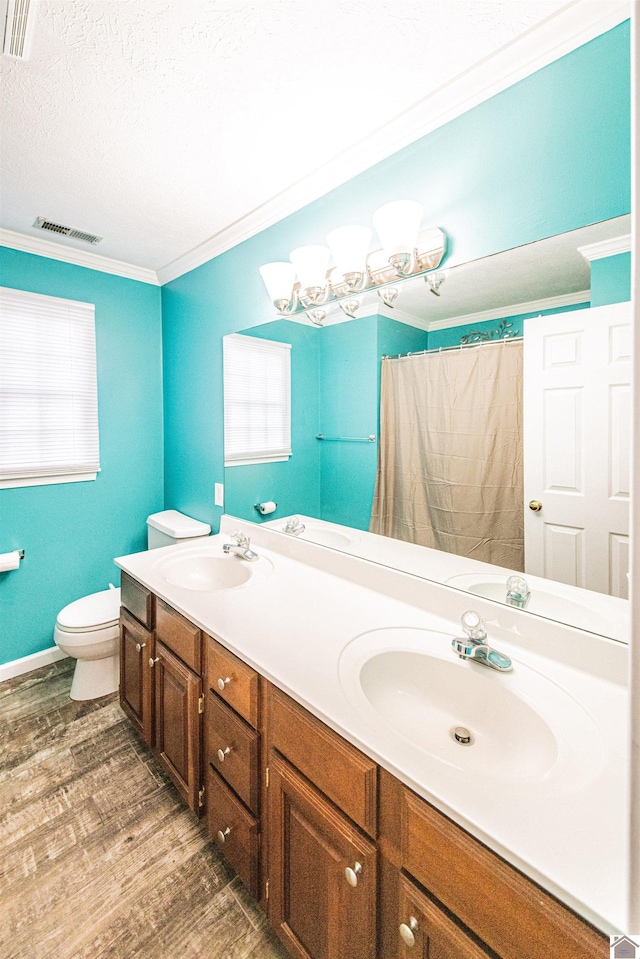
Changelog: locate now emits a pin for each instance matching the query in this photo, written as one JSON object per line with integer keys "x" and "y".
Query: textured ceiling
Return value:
{"x": 158, "y": 124}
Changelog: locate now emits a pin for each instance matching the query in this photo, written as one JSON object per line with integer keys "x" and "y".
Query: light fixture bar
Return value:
{"x": 428, "y": 254}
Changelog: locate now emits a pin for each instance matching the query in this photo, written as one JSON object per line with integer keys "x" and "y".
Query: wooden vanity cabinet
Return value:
{"x": 137, "y": 646}
{"x": 232, "y": 746}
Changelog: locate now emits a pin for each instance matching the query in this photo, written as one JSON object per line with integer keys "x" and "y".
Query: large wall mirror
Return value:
{"x": 564, "y": 302}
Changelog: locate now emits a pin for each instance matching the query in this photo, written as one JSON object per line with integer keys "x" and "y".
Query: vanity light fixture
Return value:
{"x": 306, "y": 283}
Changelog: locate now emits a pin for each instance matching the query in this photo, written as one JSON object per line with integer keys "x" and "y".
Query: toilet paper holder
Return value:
{"x": 264, "y": 508}
{"x": 11, "y": 560}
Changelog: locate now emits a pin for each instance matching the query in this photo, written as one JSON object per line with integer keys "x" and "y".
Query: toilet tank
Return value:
{"x": 170, "y": 527}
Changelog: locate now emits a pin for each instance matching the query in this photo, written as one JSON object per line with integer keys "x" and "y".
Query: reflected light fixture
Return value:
{"x": 435, "y": 280}
{"x": 305, "y": 282}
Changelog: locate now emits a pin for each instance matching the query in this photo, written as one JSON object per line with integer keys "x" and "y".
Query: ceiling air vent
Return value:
{"x": 41, "y": 223}
{"x": 17, "y": 19}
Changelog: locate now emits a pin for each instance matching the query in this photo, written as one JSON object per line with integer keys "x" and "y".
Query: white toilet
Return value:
{"x": 87, "y": 629}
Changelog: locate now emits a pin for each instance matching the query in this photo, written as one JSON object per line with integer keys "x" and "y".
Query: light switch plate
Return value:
{"x": 218, "y": 495}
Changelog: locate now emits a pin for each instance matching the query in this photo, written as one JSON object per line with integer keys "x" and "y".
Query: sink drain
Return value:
{"x": 462, "y": 735}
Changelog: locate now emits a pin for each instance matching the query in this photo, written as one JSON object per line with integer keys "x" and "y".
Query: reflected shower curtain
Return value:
{"x": 450, "y": 456}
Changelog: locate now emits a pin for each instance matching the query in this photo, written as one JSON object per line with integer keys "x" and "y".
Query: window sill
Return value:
{"x": 17, "y": 482}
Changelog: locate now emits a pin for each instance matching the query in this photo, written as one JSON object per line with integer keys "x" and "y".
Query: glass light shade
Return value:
{"x": 397, "y": 225}
{"x": 278, "y": 279}
{"x": 349, "y": 247}
{"x": 311, "y": 264}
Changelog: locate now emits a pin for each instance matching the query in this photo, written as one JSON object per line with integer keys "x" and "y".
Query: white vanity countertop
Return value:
{"x": 293, "y": 626}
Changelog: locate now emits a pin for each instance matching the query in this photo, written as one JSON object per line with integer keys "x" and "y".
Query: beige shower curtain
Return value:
{"x": 450, "y": 455}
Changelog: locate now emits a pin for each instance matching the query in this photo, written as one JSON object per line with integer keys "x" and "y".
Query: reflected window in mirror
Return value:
{"x": 257, "y": 400}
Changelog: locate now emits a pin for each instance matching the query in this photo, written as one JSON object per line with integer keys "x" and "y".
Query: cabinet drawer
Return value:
{"x": 338, "y": 769}
{"x": 434, "y": 934}
{"x": 234, "y": 830}
{"x": 137, "y": 599}
{"x": 179, "y": 635}
{"x": 505, "y": 909}
{"x": 232, "y": 750}
{"x": 234, "y": 681}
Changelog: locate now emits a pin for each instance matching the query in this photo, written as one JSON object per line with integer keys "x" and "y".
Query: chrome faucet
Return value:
{"x": 474, "y": 645}
{"x": 518, "y": 592}
{"x": 241, "y": 547}
{"x": 293, "y": 526}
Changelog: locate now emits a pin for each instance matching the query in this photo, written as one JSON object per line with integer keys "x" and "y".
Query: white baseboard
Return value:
{"x": 27, "y": 663}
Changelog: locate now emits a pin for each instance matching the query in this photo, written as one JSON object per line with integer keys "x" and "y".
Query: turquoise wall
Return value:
{"x": 611, "y": 279}
{"x": 294, "y": 484}
{"x": 348, "y": 408}
{"x": 548, "y": 155}
{"x": 71, "y": 532}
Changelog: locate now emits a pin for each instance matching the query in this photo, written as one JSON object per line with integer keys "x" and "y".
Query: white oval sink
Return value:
{"x": 324, "y": 536}
{"x": 587, "y": 610}
{"x": 524, "y": 727}
{"x": 205, "y": 571}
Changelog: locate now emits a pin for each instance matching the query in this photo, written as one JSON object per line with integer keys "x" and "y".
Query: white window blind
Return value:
{"x": 48, "y": 390}
{"x": 257, "y": 400}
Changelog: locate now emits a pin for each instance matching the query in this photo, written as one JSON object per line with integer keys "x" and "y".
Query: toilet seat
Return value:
{"x": 94, "y": 612}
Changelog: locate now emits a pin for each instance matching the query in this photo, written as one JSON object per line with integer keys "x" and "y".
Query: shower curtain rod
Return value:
{"x": 458, "y": 346}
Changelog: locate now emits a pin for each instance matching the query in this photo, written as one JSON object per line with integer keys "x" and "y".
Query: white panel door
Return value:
{"x": 577, "y": 439}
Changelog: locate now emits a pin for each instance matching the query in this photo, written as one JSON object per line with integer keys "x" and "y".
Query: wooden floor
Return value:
{"x": 99, "y": 857}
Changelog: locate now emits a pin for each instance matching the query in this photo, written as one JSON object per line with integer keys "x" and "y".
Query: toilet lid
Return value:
{"x": 97, "y": 609}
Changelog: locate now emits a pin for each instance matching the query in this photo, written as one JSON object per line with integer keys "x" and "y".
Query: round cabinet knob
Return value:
{"x": 222, "y": 835}
{"x": 223, "y": 682}
{"x": 351, "y": 875}
{"x": 535, "y": 505}
{"x": 153, "y": 661}
{"x": 140, "y": 647}
{"x": 223, "y": 753}
{"x": 407, "y": 931}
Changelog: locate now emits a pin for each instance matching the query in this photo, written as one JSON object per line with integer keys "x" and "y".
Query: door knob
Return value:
{"x": 222, "y": 835}
{"x": 223, "y": 753}
{"x": 140, "y": 646}
{"x": 535, "y": 505}
{"x": 351, "y": 875}
{"x": 153, "y": 661}
{"x": 223, "y": 682}
{"x": 407, "y": 931}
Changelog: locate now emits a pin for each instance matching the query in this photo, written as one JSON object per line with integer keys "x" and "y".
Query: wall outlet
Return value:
{"x": 218, "y": 494}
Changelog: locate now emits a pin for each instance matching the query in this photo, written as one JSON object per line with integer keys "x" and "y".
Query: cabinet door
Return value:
{"x": 426, "y": 932}
{"x": 178, "y": 723}
{"x": 136, "y": 686}
{"x": 319, "y": 910}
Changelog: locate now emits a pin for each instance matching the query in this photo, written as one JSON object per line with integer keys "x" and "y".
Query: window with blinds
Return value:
{"x": 48, "y": 390}
{"x": 257, "y": 400}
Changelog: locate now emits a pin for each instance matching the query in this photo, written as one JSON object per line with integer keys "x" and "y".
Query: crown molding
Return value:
{"x": 515, "y": 309}
{"x": 67, "y": 254}
{"x": 574, "y": 25}
{"x": 612, "y": 247}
